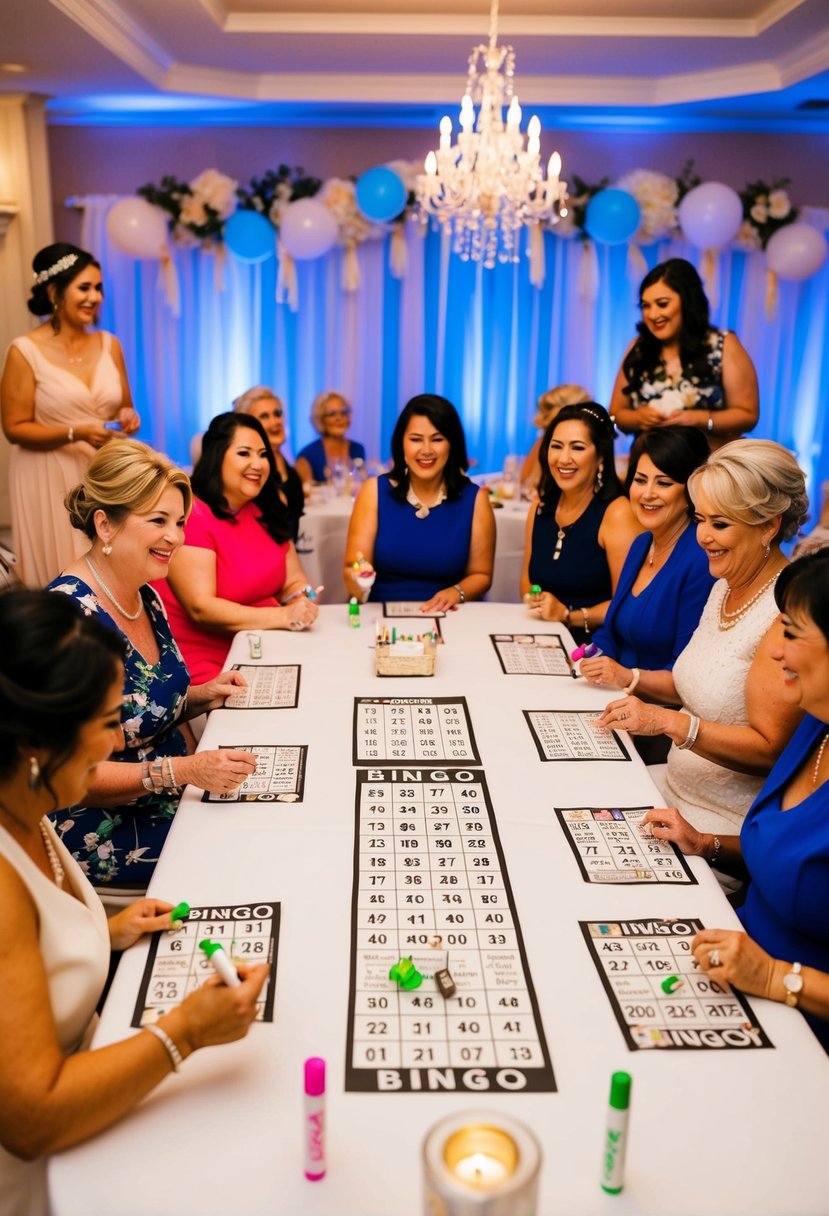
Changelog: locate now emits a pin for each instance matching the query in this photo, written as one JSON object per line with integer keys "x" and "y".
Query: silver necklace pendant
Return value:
{"x": 559, "y": 544}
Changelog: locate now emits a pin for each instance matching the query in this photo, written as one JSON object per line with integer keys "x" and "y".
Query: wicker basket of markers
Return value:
{"x": 394, "y": 656}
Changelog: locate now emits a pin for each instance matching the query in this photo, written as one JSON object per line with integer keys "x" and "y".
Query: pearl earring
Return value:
{"x": 106, "y": 550}
{"x": 34, "y": 774}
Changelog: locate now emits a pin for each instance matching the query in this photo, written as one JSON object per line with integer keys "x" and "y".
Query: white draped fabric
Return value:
{"x": 488, "y": 340}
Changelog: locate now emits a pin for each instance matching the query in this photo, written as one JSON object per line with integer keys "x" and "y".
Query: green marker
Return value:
{"x": 354, "y": 612}
{"x": 616, "y": 1134}
{"x": 406, "y": 974}
{"x": 671, "y": 983}
{"x": 535, "y": 589}
{"x": 179, "y": 914}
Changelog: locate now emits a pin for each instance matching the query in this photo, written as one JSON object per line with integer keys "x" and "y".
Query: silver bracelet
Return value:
{"x": 712, "y": 860}
{"x": 691, "y": 738}
{"x": 457, "y": 587}
{"x": 634, "y": 680}
{"x": 163, "y": 1038}
{"x": 70, "y": 435}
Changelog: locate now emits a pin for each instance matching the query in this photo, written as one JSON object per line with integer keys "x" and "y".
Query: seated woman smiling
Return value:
{"x": 428, "y": 531}
{"x": 238, "y": 568}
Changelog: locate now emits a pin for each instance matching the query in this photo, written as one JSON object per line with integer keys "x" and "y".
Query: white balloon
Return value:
{"x": 307, "y": 229}
{"x": 138, "y": 228}
{"x": 796, "y": 252}
{"x": 710, "y": 215}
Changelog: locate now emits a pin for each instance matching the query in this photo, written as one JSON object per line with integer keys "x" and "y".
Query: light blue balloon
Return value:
{"x": 381, "y": 195}
{"x": 250, "y": 237}
{"x": 612, "y": 217}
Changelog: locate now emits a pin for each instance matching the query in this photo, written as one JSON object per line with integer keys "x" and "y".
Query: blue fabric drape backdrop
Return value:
{"x": 486, "y": 339}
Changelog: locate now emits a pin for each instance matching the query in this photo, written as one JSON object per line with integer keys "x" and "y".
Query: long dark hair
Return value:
{"x": 804, "y": 585}
{"x": 444, "y": 418}
{"x": 56, "y": 664}
{"x": 602, "y": 433}
{"x": 39, "y": 302}
{"x": 675, "y": 450}
{"x": 646, "y": 353}
{"x": 207, "y": 475}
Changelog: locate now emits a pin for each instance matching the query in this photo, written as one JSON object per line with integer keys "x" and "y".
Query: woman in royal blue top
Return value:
{"x": 784, "y": 841}
{"x": 579, "y": 532}
{"x": 665, "y": 580}
{"x": 424, "y": 527}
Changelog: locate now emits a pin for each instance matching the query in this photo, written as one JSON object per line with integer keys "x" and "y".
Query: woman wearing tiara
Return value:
{"x": 64, "y": 388}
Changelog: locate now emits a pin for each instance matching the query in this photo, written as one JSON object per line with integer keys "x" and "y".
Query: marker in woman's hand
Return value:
{"x": 221, "y": 964}
{"x": 588, "y": 651}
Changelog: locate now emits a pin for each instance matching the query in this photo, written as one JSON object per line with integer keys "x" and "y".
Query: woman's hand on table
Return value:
{"x": 446, "y": 600}
{"x": 214, "y": 1013}
{"x": 636, "y": 717}
{"x": 300, "y": 613}
{"x": 603, "y": 672}
{"x": 131, "y": 923}
{"x": 666, "y": 823}
{"x": 213, "y": 694}
{"x": 730, "y": 956}
{"x": 545, "y": 604}
{"x": 218, "y": 771}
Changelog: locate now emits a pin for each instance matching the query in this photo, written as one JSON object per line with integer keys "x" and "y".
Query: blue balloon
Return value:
{"x": 612, "y": 217}
{"x": 250, "y": 237}
{"x": 381, "y": 194}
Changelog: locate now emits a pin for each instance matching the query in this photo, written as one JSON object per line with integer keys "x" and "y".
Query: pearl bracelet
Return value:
{"x": 634, "y": 680}
{"x": 163, "y": 1038}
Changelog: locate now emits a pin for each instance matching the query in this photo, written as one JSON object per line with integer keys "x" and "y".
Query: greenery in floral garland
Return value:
{"x": 275, "y": 188}
{"x": 579, "y": 196}
{"x": 198, "y": 209}
{"x": 766, "y": 209}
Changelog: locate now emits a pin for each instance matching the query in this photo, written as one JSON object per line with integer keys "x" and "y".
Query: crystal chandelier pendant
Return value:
{"x": 485, "y": 188}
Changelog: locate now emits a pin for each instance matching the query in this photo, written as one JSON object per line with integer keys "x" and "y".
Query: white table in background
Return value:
{"x": 324, "y": 526}
{"x": 719, "y": 1132}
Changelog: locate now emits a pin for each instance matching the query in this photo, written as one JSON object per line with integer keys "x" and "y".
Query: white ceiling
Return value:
{"x": 737, "y": 62}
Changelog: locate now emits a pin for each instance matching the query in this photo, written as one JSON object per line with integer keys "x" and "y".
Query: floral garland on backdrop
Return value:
{"x": 289, "y": 212}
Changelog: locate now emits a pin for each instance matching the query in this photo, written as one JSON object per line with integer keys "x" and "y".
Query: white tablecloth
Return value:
{"x": 712, "y": 1131}
{"x": 321, "y": 547}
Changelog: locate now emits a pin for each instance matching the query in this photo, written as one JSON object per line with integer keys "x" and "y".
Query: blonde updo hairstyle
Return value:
{"x": 554, "y": 399}
{"x": 754, "y": 481}
{"x": 125, "y": 476}
{"x": 260, "y": 392}
{"x": 319, "y": 405}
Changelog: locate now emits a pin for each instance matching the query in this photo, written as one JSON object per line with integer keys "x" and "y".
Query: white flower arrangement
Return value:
{"x": 766, "y": 209}
{"x": 657, "y": 196}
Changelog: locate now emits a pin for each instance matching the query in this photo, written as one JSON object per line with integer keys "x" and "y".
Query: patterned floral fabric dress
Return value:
{"x": 668, "y": 393}
{"x": 118, "y": 846}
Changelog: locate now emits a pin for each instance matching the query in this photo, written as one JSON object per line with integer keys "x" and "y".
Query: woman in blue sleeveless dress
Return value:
{"x": 425, "y": 528}
{"x": 580, "y": 530}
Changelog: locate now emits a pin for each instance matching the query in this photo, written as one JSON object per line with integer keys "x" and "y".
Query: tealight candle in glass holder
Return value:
{"x": 478, "y": 1164}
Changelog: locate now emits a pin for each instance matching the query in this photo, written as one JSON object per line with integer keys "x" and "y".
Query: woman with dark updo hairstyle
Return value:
{"x": 63, "y": 390}
{"x": 680, "y": 371}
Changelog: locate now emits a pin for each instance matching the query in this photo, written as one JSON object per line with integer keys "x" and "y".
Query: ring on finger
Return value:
{"x": 713, "y": 958}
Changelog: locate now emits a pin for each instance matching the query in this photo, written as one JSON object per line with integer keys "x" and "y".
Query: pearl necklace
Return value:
{"x": 58, "y": 871}
{"x": 131, "y": 616}
{"x": 727, "y": 620}
{"x": 669, "y": 544}
{"x": 818, "y": 759}
{"x": 421, "y": 510}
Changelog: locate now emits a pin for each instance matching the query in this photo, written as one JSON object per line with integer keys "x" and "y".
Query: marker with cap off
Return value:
{"x": 616, "y": 1134}
{"x": 314, "y": 1126}
{"x": 221, "y": 964}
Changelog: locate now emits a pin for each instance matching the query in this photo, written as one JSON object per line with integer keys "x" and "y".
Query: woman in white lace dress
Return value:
{"x": 733, "y": 722}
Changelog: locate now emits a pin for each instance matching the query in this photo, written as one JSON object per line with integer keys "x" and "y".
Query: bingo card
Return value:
{"x": 561, "y": 734}
{"x": 393, "y": 730}
{"x": 609, "y": 847}
{"x": 659, "y": 995}
{"x": 531, "y": 654}
{"x": 271, "y": 687}
{"x": 408, "y": 608}
{"x": 175, "y": 966}
{"x": 430, "y": 883}
{"x": 279, "y": 775}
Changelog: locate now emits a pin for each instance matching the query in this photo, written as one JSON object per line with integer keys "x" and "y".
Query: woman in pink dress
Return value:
{"x": 64, "y": 387}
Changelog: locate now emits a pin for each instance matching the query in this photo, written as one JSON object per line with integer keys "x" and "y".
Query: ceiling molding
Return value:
{"x": 806, "y": 61}
{"x": 772, "y": 13}
{"x": 106, "y": 22}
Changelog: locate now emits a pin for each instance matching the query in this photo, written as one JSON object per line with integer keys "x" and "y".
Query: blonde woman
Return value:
{"x": 330, "y": 418}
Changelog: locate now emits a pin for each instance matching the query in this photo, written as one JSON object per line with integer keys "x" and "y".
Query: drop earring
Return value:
{"x": 599, "y": 480}
{"x": 34, "y": 775}
{"x": 106, "y": 549}
{"x": 54, "y": 320}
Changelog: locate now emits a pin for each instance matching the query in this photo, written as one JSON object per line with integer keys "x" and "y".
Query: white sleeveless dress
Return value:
{"x": 710, "y": 676}
{"x": 75, "y": 947}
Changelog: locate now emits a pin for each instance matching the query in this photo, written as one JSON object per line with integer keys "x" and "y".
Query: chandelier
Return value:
{"x": 485, "y": 188}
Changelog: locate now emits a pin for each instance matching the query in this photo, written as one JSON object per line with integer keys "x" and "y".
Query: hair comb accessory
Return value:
{"x": 57, "y": 267}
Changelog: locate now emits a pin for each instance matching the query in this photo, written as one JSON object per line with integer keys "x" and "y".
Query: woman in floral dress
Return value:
{"x": 680, "y": 371}
{"x": 132, "y": 505}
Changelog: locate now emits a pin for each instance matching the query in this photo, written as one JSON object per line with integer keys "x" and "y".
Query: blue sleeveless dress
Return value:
{"x": 414, "y": 558}
{"x": 580, "y": 576}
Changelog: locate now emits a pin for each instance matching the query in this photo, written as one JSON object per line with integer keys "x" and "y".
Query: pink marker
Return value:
{"x": 314, "y": 1119}
{"x": 588, "y": 651}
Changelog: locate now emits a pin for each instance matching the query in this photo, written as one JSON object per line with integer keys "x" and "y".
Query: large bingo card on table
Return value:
{"x": 396, "y": 730}
{"x": 531, "y": 654}
{"x": 568, "y": 735}
{"x": 659, "y": 995}
{"x": 279, "y": 775}
{"x": 175, "y": 966}
{"x": 269, "y": 687}
{"x": 609, "y": 847}
{"x": 430, "y": 884}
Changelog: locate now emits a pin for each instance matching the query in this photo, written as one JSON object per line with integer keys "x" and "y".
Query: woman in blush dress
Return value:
{"x": 64, "y": 388}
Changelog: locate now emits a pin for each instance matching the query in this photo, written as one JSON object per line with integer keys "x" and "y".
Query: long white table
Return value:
{"x": 324, "y": 526}
{"x": 711, "y": 1131}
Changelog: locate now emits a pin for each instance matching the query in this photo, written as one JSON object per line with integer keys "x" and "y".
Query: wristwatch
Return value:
{"x": 793, "y": 983}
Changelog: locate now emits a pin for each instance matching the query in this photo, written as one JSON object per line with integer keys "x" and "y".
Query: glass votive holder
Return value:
{"x": 480, "y": 1164}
